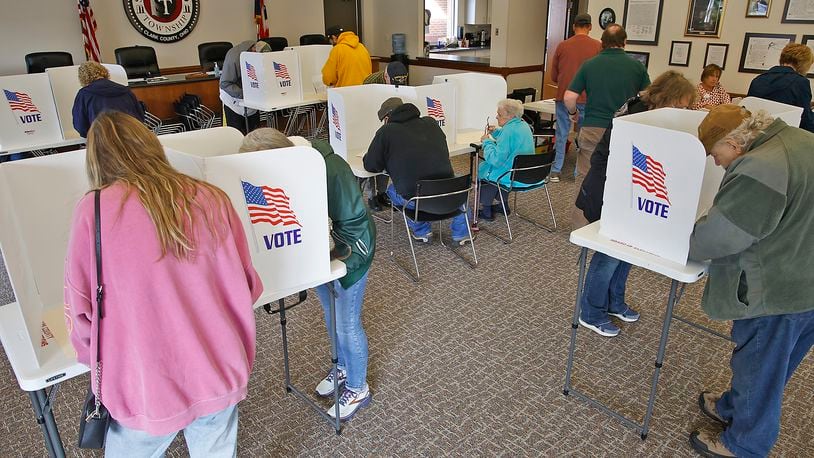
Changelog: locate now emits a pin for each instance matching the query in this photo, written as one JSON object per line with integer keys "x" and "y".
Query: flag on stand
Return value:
{"x": 88, "y": 23}
{"x": 261, "y": 18}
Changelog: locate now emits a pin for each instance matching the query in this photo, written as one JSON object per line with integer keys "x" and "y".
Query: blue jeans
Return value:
{"x": 604, "y": 289}
{"x": 561, "y": 130}
{"x": 767, "y": 351}
{"x": 350, "y": 335}
{"x": 457, "y": 226}
{"x": 208, "y": 436}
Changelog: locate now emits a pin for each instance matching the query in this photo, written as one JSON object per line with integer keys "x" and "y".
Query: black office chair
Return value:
{"x": 213, "y": 52}
{"x": 528, "y": 172}
{"x": 436, "y": 200}
{"x": 314, "y": 39}
{"x": 277, "y": 43}
{"x": 37, "y": 62}
{"x": 138, "y": 61}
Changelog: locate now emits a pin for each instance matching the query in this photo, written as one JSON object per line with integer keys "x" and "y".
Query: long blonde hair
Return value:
{"x": 122, "y": 150}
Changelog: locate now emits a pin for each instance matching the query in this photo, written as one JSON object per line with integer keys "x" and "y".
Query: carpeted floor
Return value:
{"x": 472, "y": 363}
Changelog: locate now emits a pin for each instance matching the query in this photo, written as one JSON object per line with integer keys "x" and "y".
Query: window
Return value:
{"x": 443, "y": 20}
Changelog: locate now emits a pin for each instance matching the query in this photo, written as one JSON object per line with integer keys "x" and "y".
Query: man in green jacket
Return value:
{"x": 759, "y": 235}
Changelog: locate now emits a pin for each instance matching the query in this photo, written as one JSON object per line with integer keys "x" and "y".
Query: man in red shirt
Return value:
{"x": 568, "y": 57}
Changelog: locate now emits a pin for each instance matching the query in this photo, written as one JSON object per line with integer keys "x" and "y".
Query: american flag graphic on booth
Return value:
{"x": 335, "y": 121}
{"x": 281, "y": 71}
{"x": 435, "y": 109}
{"x": 649, "y": 174}
{"x": 251, "y": 71}
{"x": 20, "y": 101}
{"x": 268, "y": 205}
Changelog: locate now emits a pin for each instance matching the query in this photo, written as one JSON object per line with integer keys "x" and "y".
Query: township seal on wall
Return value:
{"x": 164, "y": 21}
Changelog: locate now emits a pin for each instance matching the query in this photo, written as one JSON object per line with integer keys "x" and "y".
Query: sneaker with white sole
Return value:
{"x": 325, "y": 387}
{"x": 425, "y": 238}
{"x": 463, "y": 240}
{"x": 628, "y": 315}
{"x": 606, "y": 329}
{"x": 554, "y": 177}
{"x": 350, "y": 402}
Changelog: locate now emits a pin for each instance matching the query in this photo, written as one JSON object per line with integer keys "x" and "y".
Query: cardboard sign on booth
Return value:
{"x": 28, "y": 116}
{"x": 270, "y": 79}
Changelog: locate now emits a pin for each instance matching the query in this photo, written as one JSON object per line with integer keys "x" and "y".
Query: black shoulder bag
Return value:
{"x": 95, "y": 419}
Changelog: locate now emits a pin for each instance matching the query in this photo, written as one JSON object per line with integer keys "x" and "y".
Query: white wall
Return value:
{"x": 382, "y": 18}
{"x": 735, "y": 26}
{"x": 53, "y": 25}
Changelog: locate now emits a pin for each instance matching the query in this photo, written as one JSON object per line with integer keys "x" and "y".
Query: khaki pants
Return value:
{"x": 588, "y": 139}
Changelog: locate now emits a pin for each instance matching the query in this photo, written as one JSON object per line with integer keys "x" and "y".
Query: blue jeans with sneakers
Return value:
{"x": 351, "y": 339}
{"x": 457, "y": 226}
{"x": 604, "y": 289}
{"x": 561, "y": 130}
{"x": 767, "y": 351}
{"x": 212, "y": 435}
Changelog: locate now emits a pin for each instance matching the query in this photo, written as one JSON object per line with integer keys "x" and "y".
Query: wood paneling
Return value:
{"x": 159, "y": 97}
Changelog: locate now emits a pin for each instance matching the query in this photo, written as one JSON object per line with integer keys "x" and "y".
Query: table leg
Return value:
{"x": 473, "y": 170}
{"x": 45, "y": 417}
{"x": 665, "y": 332}
{"x": 583, "y": 255}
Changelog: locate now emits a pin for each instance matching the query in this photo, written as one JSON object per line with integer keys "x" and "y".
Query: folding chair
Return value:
{"x": 528, "y": 172}
{"x": 435, "y": 200}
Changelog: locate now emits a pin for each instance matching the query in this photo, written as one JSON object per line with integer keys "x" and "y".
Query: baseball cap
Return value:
{"x": 388, "y": 106}
{"x": 334, "y": 30}
{"x": 582, "y": 19}
{"x": 720, "y": 121}
{"x": 397, "y": 72}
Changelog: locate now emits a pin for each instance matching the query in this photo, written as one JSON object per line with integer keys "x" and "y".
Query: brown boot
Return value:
{"x": 709, "y": 444}
{"x": 707, "y": 401}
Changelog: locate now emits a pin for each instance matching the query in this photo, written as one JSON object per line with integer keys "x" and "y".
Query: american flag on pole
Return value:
{"x": 250, "y": 71}
{"x": 649, "y": 174}
{"x": 281, "y": 71}
{"x": 88, "y": 23}
{"x": 268, "y": 205}
{"x": 434, "y": 108}
{"x": 20, "y": 101}
{"x": 261, "y": 19}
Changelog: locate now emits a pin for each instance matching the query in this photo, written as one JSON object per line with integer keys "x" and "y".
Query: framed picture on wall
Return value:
{"x": 798, "y": 12}
{"x": 606, "y": 16}
{"x": 758, "y": 8}
{"x": 642, "y": 20}
{"x": 716, "y": 54}
{"x": 808, "y": 40}
{"x": 704, "y": 18}
{"x": 643, "y": 57}
{"x": 761, "y": 51}
{"x": 680, "y": 53}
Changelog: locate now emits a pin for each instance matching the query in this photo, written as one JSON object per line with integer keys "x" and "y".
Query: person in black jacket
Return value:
{"x": 787, "y": 83}
{"x": 99, "y": 94}
{"x": 604, "y": 292}
{"x": 411, "y": 148}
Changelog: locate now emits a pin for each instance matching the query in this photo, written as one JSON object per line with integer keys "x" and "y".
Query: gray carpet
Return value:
{"x": 472, "y": 363}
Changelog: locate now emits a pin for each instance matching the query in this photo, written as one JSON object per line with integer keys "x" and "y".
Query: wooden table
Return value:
{"x": 159, "y": 96}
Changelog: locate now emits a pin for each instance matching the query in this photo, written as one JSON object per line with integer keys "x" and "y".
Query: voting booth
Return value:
{"x": 28, "y": 115}
{"x": 312, "y": 58}
{"x": 64, "y": 86}
{"x": 477, "y": 95}
{"x": 788, "y": 113}
{"x": 271, "y": 80}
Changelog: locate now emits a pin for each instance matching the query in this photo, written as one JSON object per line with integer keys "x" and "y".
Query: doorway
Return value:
{"x": 344, "y": 13}
{"x": 561, "y": 14}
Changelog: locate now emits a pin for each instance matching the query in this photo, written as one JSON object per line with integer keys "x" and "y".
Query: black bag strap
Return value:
{"x": 99, "y": 290}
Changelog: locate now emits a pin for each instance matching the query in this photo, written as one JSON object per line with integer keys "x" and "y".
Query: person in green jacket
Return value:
{"x": 354, "y": 236}
{"x": 759, "y": 235}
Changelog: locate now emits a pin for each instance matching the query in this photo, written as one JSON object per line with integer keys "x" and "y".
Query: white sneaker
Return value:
{"x": 350, "y": 402}
{"x": 325, "y": 388}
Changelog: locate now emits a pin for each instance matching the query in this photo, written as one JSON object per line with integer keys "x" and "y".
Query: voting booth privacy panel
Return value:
{"x": 788, "y": 113}
{"x": 271, "y": 80}
{"x": 353, "y": 112}
{"x": 312, "y": 58}
{"x": 64, "y": 86}
{"x": 477, "y": 95}
{"x": 28, "y": 116}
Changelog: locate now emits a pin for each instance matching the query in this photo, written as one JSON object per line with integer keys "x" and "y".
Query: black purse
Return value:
{"x": 95, "y": 419}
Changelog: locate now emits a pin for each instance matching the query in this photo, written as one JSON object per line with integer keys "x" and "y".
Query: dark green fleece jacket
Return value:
{"x": 760, "y": 231}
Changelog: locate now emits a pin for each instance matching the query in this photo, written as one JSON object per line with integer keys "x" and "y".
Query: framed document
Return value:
{"x": 808, "y": 40}
{"x": 704, "y": 18}
{"x": 680, "y": 53}
{"x": 798, "y": 12}
{"x": 761, "y": 51}
{"x": 642, "y": 20}
{"x": 643, "y": 57}
{"x": 716, "y": 54}
{"x": 758, "y": 8}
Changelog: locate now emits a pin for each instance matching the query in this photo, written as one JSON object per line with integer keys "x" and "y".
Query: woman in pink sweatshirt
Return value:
{"x": 178, "y": 332}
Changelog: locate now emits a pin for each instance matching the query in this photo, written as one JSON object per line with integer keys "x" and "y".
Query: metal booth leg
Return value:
{"x": 283, "y": 320}
{"x": 41, "y": 403}
{"x": 583, "y": 255}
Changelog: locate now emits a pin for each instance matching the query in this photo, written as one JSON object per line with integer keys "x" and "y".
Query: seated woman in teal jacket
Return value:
{"x": 501, "y": 144}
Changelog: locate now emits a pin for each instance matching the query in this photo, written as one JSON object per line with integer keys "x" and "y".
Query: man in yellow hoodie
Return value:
{"x": 349, "y": 62}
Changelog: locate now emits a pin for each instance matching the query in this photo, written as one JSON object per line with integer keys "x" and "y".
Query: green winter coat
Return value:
{"x": 760, "y": 231}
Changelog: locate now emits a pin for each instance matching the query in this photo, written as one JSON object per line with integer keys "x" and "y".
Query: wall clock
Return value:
{"x": 607, "y": 16}
{"x": 164, "y": 21}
